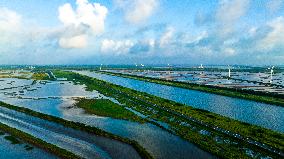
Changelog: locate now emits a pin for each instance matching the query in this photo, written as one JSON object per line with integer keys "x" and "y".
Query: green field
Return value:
{"x": 40, "y": 76}
{"x": 105, "y": 107}
{"x": 170, "y": 112}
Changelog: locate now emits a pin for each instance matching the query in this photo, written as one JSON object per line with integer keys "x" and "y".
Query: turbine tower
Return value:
{"x": 229, "y": 73}
{"x": 271, "y": 73}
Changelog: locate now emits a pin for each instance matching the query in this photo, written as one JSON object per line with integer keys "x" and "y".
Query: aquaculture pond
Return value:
{"x": 57, "y": 98}
{"x": 265, "y": 115}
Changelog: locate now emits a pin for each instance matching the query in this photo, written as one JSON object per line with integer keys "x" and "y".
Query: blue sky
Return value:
{"x": 142, "y": 31}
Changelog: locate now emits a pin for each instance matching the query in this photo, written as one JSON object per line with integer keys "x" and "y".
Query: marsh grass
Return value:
{"x": 107, "y": 108}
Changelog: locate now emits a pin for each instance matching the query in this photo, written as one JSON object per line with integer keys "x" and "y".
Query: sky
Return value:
{"x": 244, "y": 32}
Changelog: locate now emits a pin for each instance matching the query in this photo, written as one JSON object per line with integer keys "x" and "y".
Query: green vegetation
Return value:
{"x": 40, "y": 76}
{"x": 105, "y": 107}
{"x": 2, "y": 133}
{"x": 28, "y": 147}
{"x": 35, "y": 141}
{"x": 75, "y": 125}
{"x": 12, "y": 139}
{"x": 187, "y": 121}
{"x": 230, "y": 92}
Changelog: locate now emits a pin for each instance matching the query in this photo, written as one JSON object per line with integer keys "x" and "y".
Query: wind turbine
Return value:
{"x": 169, "y": 69}
{"x": 271, "y": 73}
{"x": 229, "y": 73}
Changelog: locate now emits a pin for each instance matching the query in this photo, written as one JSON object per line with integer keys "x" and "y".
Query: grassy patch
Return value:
{"x": 28, "y": 147}
{"x": 166, "y": 111}
{"x": 75, "y": 125}
{"x": 35, "y": 141}
{"x": 105, "y": 107}
{"x": 40, "y": 76}
{"x": 13, "y": 139}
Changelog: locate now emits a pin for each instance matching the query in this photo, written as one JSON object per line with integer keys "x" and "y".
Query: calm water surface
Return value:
{"x": 81, "y": 143}
{"x": 265, "y": 115}
{"x": 9, "y": 150}
{"x": 56, "y": 98}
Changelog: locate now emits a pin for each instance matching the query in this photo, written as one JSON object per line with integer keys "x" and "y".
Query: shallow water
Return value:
{"x": 265, "y": 115}
{"x": 9, "y": 150}
{"x": 56, "y": 98}
{"x": 83, "y": 144}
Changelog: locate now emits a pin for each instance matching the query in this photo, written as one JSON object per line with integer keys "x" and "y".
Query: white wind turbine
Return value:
{"x": 271, "y": 73}
{"x": 168, "y": 69}
{"x": 229, "y": 73}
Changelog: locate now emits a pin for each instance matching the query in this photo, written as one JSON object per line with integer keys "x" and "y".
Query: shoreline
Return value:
{"x": 205, "y": 118}
{"x": 79, "y": 126}
{"x": 274, "y": 99}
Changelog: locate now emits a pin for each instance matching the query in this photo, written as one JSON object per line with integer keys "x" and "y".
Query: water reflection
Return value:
{"x": 239, "y": 109}
{"x": 8, "y": 150}
{"x": 56, "y": 98}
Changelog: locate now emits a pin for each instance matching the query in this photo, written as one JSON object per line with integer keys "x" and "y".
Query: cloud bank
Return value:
{"x": 137, "y": 11}
{"x": 227, "y": 32}
{"x": 85, "y": 19}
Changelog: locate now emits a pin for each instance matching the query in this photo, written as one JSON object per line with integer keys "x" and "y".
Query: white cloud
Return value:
{"x": 167, "y": 37}
{"x": 274, "y": 5}
{"x": 11, "y": 34}
{"x": 228, "y": 13}
{"x": 229, "y": 52}
{"x": 252, "y": 31}
{"x": 116, "y": 47}
{"x": 90, "y": 17}
{"x": 127, "y": 47}
{"x": 275, "y": 37}
{"x": 232, "y": 10}
{"x": 9, "y": 20}
{"x": 190, "y": 39}
{"x": 137, "y": 11}
{"x": 67, "y": 15}
{"x": 79, "y": 41}
{"x": 152, "y": 43}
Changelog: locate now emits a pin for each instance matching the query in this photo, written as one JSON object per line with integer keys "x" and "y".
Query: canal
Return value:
{"x": 265, "y": 115}
{"x": 56, "y": 98}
